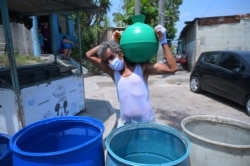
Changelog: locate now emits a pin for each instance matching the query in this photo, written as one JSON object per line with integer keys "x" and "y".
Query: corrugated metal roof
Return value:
{"x": 36, "y": 7}
{"x": 207, "y": 21}
{"x": 218, "y": 20}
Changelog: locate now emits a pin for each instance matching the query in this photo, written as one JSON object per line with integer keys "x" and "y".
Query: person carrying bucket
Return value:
{"x": 131, "y": 78}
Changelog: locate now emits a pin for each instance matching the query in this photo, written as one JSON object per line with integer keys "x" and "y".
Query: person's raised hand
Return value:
{"x": 161, "y": 34}
{"x": 116, "y": 36}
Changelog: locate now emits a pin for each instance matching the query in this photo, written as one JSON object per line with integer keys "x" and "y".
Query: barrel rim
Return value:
{"x": 85, "y": 120}
{"x": 213, "y": 119}
{"x": 5, "y": 154}
{"x": 173, "y": 131}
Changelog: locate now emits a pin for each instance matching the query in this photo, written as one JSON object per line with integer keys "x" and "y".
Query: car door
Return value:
{"x": 229, "y": 77}
{"x": 209, "y": 78}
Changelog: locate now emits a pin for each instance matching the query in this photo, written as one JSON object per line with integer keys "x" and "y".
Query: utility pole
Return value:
{"x": 137, "y": 7}
{"x": 161, "y": 12}
{"x": 161, "y": 20}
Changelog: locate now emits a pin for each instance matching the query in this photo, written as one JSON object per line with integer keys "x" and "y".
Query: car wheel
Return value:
{"x": 247, "y": 105}
{"x": 195, "y": 85}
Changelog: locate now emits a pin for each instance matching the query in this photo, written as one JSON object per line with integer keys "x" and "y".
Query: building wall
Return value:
{"x": 2, "y": 37}
{"x": 189, "y": 45}
{"x": 231, "y": 36}
{"x": 21, "y": 37}
{"x": 226, "y": 36}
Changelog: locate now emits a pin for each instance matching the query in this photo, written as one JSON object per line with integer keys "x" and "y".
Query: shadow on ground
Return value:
{"x": 173, "y": 119}
{"x": 225, "y": 101}
{"x": 99, "y": 109}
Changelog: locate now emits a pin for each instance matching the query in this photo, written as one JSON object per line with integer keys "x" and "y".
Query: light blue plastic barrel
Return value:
{"x": 147, "y": 145}
{"x": 64, "y": 141}
{"x": 5, "y": 151}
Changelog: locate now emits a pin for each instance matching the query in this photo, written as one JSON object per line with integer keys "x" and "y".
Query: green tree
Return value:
{"x": 149, "y": 8}
{"x": 93, "y": 28}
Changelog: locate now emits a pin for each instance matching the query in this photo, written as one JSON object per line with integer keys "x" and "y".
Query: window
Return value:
{"x": 242, "y": 67}
{"x": 211, "y": 58}
{"x": 230, "y": 62}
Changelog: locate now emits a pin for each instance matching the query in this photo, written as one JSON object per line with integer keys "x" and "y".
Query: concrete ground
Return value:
{"x": 170, "y": 96}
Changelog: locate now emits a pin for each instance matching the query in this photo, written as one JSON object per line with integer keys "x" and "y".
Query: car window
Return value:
{"x": 230, "y": 62}
{"x": 211, "y": 58}
{"x": 242, "y": 67}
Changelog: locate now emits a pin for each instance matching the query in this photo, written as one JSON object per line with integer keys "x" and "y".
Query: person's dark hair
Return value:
{"x": 114, "y": 47}
{"x": 64, "y": 37}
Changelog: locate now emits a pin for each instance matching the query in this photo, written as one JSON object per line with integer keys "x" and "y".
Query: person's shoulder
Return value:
{"x": 147, "y": 67}
{"x": 144, "y": 64}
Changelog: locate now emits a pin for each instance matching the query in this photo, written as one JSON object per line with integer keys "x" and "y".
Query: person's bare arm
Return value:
{"x": 97, "y": 61}
{"x": 169, "y": 66}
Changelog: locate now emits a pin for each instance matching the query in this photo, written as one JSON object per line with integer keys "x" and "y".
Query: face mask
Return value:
{"x": 117, "y": 64}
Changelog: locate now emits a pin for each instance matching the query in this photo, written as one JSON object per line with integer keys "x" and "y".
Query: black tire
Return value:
{"x": 195, "y": 84}
{"x": 247, "y": 106}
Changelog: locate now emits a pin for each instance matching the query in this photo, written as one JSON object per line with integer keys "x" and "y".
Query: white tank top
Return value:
{"x": 133, "y": 96}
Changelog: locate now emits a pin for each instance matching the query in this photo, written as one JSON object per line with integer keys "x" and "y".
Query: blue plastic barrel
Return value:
{"x": 64, "y": 141}
{"x": 5, "y": 151}
{"x": 147, "y": 144}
